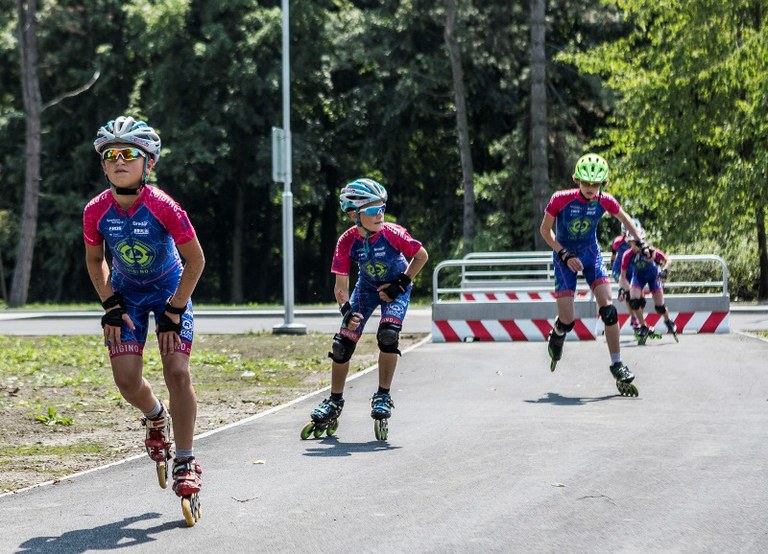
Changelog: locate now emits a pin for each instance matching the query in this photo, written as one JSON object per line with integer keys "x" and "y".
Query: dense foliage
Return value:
{"x": 371, "y": 95}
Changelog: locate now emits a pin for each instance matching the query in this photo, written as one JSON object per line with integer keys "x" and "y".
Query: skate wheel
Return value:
{"x": 190, "y": 507}
{"x": 380, "y": 429}
{"x": 627, "y": 389}
{"x": 318, "y": 432}
{"x": 677, "y": 340}
{"x": 307, "y": 430}
{"x": 332, "y": 426}
{"x": 162, "y": 474}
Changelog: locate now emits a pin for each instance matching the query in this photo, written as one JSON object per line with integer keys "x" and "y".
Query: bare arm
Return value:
{"x": 194, "y": 262}
{"x": 341, "y": 289}
{"x": 548, "y": 234}
{"x": 417, "y": 263}
{"x": 98, "y": 271}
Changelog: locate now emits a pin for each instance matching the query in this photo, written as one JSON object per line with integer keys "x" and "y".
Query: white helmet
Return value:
{"x": 638, "y": 226}
{"x": 125, "y": 129}
{"x": 361, "y": 192}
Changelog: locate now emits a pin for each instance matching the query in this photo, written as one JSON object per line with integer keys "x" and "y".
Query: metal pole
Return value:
{"x": 288, "y": 327}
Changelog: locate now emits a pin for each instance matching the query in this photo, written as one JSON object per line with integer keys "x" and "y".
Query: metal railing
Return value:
{"x": 525, "y": 272}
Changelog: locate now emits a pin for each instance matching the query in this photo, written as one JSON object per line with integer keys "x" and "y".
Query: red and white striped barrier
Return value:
{"x": 513, "y": 296}
{"x": 537, "y": 330}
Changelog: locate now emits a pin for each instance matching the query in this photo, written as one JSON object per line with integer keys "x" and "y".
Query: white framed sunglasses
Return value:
{"x": 373, "y": 210}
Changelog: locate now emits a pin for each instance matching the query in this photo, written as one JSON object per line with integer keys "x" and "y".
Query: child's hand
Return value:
{"x": 570, "y": 260}
{"x": 351, "y": 320}
{"x": 394, "y": 288}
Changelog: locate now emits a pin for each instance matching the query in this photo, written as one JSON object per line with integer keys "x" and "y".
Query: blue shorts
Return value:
{"x": 594, "y": 272}
{"x": 365, "y": 299}
{"x": 640, "y": 281}
{"x": 137, "y": 306}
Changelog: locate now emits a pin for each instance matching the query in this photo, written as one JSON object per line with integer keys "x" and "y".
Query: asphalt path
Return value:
{"x": 487, "y": 452}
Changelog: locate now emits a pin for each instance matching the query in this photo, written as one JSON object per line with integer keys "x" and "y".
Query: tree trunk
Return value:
{"x": 236, "y": 284}
{"x": 467, "y": 172}
{"x": 27, "y": 12}
{"x": 762, "y": 248}
{"x": 539, "y": 163}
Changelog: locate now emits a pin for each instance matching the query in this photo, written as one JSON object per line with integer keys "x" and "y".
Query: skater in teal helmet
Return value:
{"x": 388, "y": 259}
{"x": 148, "y": 235}
{"x": 569, "y": 227}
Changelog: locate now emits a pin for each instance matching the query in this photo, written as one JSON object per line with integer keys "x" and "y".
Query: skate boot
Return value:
{"x": 624, "y": 378}
{"x": 325, "y": 419}
{"x": 642, "y": 335}
{"x": 555, "y": 348}
{"x": 672, "y": 328}
{"x": 635, "y": 326}
{"x": 187, "y": 484}
{"x": 158, "y": 443}
{"x": 381, "y": 411}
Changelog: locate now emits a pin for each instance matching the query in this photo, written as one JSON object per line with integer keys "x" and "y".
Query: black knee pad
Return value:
{"x": 388, "y": 337}
{"x": 660, "y": 309}
{"x": 564, "y": 327}
{"x": 609, "y": 315}
{"x": 343, "y": 348}
{"x": 637, "y": 303}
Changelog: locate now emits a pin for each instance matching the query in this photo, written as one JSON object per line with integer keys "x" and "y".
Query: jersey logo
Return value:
{"x": 376, "y": 270}
{"x": 137, "y": 253}
{"x": 579, "y": 227}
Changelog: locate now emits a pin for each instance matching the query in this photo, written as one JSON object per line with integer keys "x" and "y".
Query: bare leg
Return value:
{"x": 338, "y": 376}
{"x": 182, "y": 398}
{"x": 603, "y": 297}
{"x": 136, "y": 390}
{"x": 387, "y": 365}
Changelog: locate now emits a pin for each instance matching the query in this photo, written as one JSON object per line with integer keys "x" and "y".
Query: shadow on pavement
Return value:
{"x": 104, "y": 537}
{"x": 338, "y": 448}
{"x": 554, "y": 398}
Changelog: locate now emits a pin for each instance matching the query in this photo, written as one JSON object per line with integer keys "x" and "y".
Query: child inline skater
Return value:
{"x": 381, "y": 251}
{"x": 574, "y": 214}
{"x": 145, "y": 231}
{"x": 646, "y": 273}
{"x": 619, "y": 246}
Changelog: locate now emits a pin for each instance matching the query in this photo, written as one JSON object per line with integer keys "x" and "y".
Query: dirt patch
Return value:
{"x": 62, "y": 414}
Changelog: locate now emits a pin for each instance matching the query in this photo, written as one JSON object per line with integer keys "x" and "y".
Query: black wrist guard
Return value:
{"x": 174, "y": 310}
{"x": 164, "y": 324}
{"x": 398, "y": 286}
{"x": 622, "y": 294}
{"x": 346, "y": 313}
{"x": 663, "y": 274}
{"x": 113, "y": 318}
{"x": 115, "y": 300}
{"x": 564, "y": 254}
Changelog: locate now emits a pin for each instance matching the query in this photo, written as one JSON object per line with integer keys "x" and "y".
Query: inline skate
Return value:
{"x": 381, "y": 411}
{"x": 158, "y": 443}
{"x": 624, "y": 378}
{"x": 672, "y": 328}
{"x": 325, "y": 419}
{"x": 187, "y": 484}
{"x": 555, "y": 348}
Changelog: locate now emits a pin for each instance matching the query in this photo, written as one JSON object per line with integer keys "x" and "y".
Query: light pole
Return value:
{"x": 288, "y": 327}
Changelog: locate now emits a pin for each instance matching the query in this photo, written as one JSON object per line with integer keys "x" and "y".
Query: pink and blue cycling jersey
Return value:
{"x": 146, "y": 267}
{"x": 383, "y": 259}
{"x": 576, "y": 220}
{"x": 142, "y": 240}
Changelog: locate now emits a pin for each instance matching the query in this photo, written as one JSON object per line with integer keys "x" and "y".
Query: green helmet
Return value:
{"x": 591, "y": 168}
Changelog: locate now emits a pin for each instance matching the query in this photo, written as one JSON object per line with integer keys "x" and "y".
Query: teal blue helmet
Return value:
{"x": 361, "y": 192}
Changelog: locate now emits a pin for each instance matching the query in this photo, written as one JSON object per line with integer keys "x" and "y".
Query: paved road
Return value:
{"x": 488, "y": 452}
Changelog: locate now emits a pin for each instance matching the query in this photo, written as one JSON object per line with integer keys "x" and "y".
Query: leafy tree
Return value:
{"x": 688, "y": 138}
